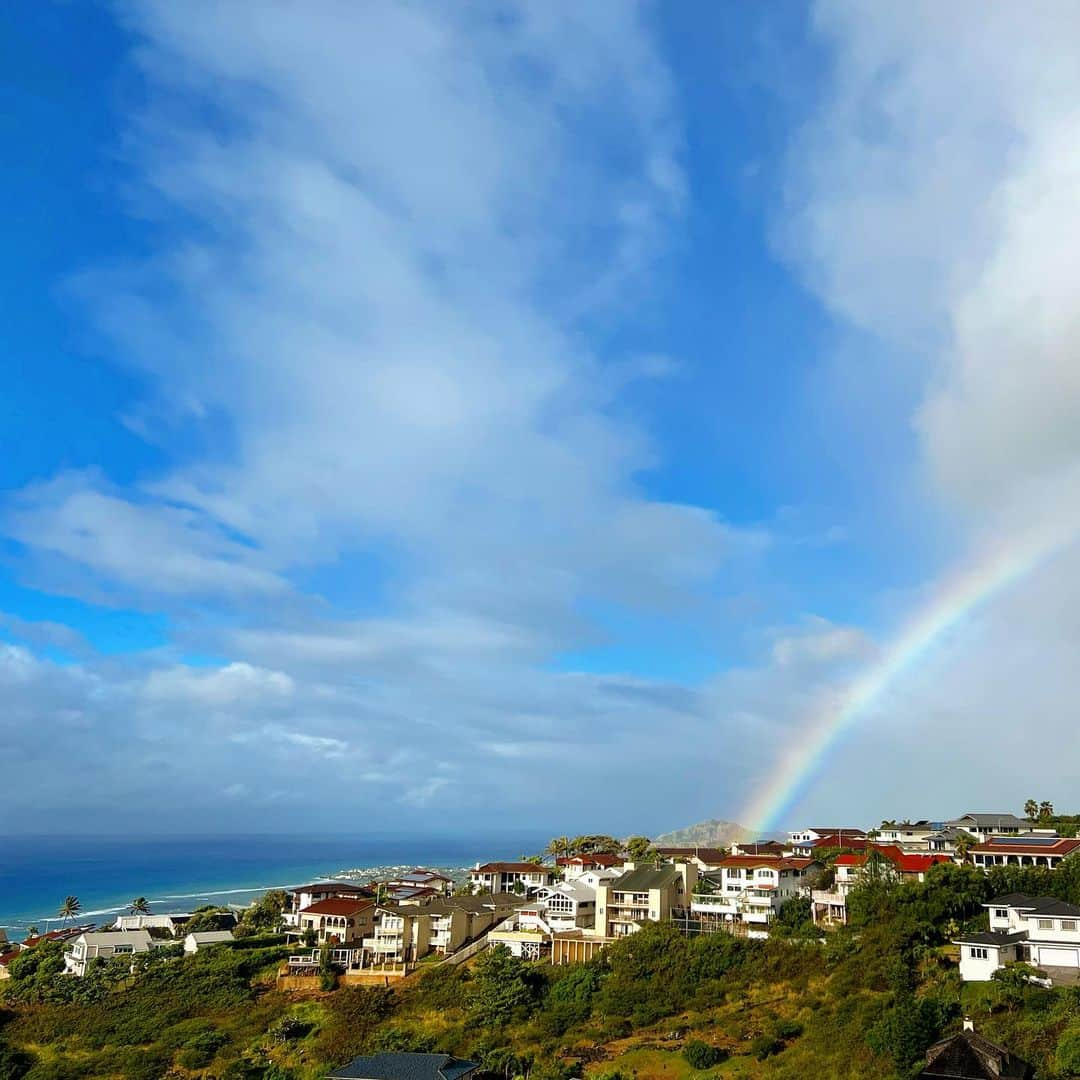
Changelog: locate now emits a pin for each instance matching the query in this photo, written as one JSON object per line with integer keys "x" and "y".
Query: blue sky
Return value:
{"x": 417, "y": 401}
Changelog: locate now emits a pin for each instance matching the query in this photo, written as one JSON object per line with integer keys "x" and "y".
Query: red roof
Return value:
{"x": 902, "y": 860}
{"x": 338, "y": 888}
{"x": 7, "y": 957}
{"x": 511, "y": 868}
{"x": 855, "y": 843}
{"x": 337, "y": 905}
{"x": 1063, "y": 845}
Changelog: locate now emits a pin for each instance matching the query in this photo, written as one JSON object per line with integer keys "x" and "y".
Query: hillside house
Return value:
{"x": 504, "y": 877}
{"x": 306, "y": 895}
{"x": 985, "y": 824}
{"x": 573, "y": 866}
{"x": 1038, "y": 930}
{"x": 105, "y": 945}
{"x": 337, "y": 920}
{"x": 969, "y": 1055}
{"x": 643, "y": 894}
{"x": 704, "y": 858}
{"x": 405, "y": 1066}
{"x": 1029, "y": 850}
{"x": 205, "y": 939}
{"x": 752, "y": 888}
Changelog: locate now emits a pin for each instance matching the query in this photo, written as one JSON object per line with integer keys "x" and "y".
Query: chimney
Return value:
{"x": 968, "y": 1025}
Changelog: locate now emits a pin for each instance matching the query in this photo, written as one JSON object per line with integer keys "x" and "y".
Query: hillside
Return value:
{"x": 711, "y": 833}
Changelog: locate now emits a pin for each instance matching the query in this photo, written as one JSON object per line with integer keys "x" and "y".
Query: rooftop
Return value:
{"x": 389, "y": 1066}
{"x": 644, "y": 878}
{"x": 511, "y": 868}
{"x": 970, "y": 1055}
{"x": 337, "y": 905}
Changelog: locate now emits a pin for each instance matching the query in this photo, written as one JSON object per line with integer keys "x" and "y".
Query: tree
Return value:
{"x": 964, "y": 843}
{"x": 501, "y": 987}
{"x": 139, "y": 906}
{"x": 31, "y": 931}
{"x": 1012, "y": 980}
{"x": 638, "y": 848}
{"x": 596, "y": 844}
{"x": 1031, "y": 809}
{"x": 1067, "y": 1056}
{"x": 1046, "y": 810}
{"x": 559, "y": 847}
{"x": 70, "y": 908}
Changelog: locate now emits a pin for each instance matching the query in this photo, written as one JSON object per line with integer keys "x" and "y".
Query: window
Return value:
{"x": 1068, "y": 924}
{"x": 1001, "y": 913}
{"x": 979, "y": 953}
{"x": 124, "y": 949}
{"x": 1045, "y": 924}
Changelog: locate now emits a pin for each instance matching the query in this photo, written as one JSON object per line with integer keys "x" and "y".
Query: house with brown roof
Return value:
{"x": 704, "y": 858}
{"x": 573, "y": 866}
{"x": 970, "y": 1055}
{"x": 337, "y": 920}
{"x": 503, "y": 877}
{"x": 1024, "y": 850}
{"x": 304, "y": 896}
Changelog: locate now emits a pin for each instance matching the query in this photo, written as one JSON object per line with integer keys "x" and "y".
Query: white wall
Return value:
{"x": 976, "y": 970}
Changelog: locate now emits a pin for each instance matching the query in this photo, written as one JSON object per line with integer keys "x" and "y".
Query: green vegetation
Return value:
{"x": 864, "y": 1001}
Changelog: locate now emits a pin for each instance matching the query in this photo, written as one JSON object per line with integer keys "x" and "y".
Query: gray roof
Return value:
{"x": 989, "y": 819}
{"x": 389, "y": 1066}
{"x": 992, "y": 937}
{"x": 645, "y": 878}
{"x": 969, "y": 1054}
{"x": 1035, "y": 905}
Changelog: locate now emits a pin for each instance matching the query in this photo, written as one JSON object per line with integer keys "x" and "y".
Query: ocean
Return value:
{"x": 178, "y": 873}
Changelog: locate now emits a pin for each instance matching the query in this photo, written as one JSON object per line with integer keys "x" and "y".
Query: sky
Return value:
{"x": 425, "y": 416}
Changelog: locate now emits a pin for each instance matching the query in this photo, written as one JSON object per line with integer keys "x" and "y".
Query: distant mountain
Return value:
{"x": 712, "y": 833}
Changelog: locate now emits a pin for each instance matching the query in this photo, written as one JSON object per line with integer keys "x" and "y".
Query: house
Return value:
{"x": 910, "y": 835}
{"x": 643, "y": 894}
{"x": 829, "y": 906}
{"x": 202, "y": 939}
{"x": 421, "y": 878}
{"x": 1038, "y": 930}
{"x": 970, "y": 1055}
{"x": 170, "y": 922}
{"x": 400, "y": 1066}
{"x": 503, "y": 877}
{"x": 573, "y": 866}
{"x": 305, "y": 895}
{"x": 705, "y": 858}
{"x": 5, "y": 959}
{"x": 817, "y": 832}
{"x": 1029, "y": 850}
{"x": 751, "y": 889}
{"x": 761, "y": 847}
{"x": 104, "y": 945}
{"x": 812, "y": 848}
{"x": 404, "y": 933}
{"x": 984, "y": 824}
{"x": 948, "y": 839}
{"x": 337, "y": 920}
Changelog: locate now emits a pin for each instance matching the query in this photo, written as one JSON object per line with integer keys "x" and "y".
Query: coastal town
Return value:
{"x": 566, "y": 907}
{"x": 585, "y": 898}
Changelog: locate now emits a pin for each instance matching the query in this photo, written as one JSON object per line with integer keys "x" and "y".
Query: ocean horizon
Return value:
{"x": 178, "y": 873}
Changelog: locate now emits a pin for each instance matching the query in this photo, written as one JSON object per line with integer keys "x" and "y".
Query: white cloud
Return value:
{"x": 217, "y": 687}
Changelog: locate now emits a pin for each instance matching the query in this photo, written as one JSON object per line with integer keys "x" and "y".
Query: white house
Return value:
{"x": 504, "y": 877}
{"x": 105, "y": 945}
{"x": 984, "y": 824}
{"x": 752, "y": 888}
{"x": 909, "y": 835}
{"x": 573, "y": 866}
{"x": 819, "y": 832}
{"x": 305, "y": 895}
{"x": 201, "y": 939}
{"x": 1038, "y": 930}
{"x": 155, "y": 921}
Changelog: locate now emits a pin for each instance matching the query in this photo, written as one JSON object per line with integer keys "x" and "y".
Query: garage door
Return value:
{"x": 1054, "y": 957}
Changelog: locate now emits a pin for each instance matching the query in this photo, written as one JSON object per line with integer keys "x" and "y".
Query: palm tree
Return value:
{"x": 1046, "y": 810}
{"x": 964, "y": 843}
{"x": 1031, "y": 809}
{"x": 69, "y": 908}
{"x": 31, "y": 931}
{"x": 139, "y": 906}
{"x": 558, "y": 847}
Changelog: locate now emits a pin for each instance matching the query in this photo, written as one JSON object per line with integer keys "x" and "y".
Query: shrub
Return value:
{"x": 14, "y": 1064}
{"x": 765, "y": 1046}
{"x": 700, "y": 1055}
{"x": 289, "y": 1028}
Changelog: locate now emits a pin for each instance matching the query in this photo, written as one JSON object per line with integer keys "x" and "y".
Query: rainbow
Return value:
{"x": 960, "y": 593}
